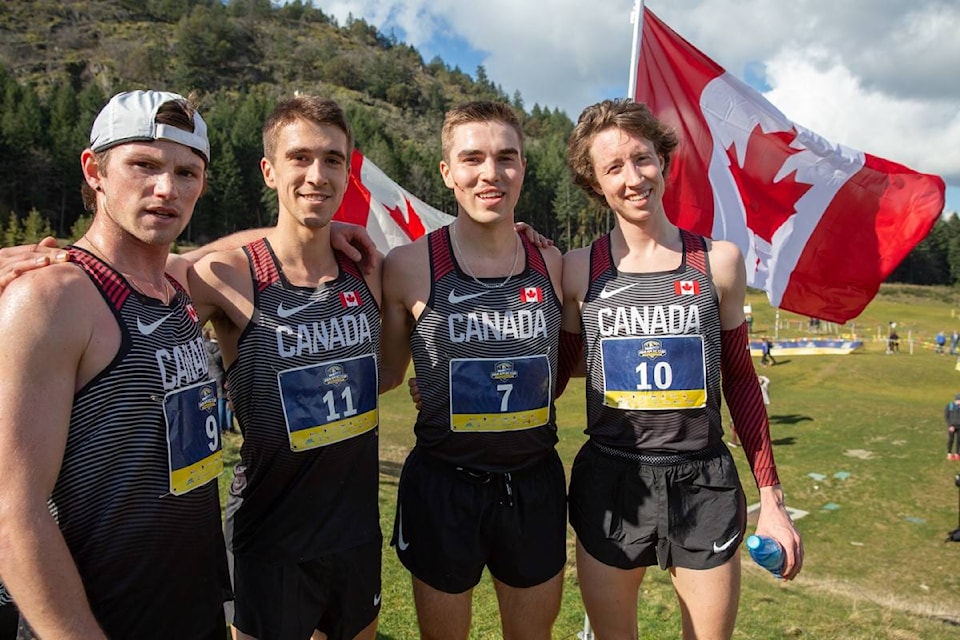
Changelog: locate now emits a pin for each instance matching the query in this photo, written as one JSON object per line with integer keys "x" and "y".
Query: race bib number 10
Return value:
{"x": 194, "y": 449}
{"x": 654, "y": 373}
{"x": 330, "y": 401}
{"x": 499, "y": 394}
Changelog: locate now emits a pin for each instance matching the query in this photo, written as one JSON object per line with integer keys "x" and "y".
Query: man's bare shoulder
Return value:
{"x": 57, "y": 300}
{"x": 552, "y": 255}
{"x": 54, "y": 285}
{"x": 576, "y": 261}
{"x": 576, "y": 256}
{"x": 219, "y": 276}
{"x": 231, "y": 258}
{"x": 407, "y": 256}
{"x": 222, "y": 267}
{"x": 724, "y": 254}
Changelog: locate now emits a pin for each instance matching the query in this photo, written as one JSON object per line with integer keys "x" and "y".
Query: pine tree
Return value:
{"x": 35, "y": 228}
{"x": 13, "y": 233}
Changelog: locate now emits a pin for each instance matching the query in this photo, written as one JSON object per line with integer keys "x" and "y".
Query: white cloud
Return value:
{"x": 834, "y": 103}
{"x": 878, "y": 75}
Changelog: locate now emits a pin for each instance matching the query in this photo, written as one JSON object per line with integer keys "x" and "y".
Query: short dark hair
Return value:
{"x": 478, "y": 111}
{"x": 303, "y": 107}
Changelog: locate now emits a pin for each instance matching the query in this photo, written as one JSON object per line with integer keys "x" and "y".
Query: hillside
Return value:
{"x": 60, "y": 61}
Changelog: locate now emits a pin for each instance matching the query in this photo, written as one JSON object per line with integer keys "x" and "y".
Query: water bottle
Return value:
{"x": 767, "y": 553}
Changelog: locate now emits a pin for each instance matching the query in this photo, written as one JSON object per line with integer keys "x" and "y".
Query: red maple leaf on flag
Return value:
{"x": 412, "y": 226}
{"x": 768, "y": 202}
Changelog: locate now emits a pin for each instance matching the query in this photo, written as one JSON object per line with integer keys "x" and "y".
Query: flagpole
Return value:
{"x": 636, "y": 19}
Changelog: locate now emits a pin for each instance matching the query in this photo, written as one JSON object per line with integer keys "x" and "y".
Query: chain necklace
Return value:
{"x": 134, "y": 280}
{"x": 466, "y": 267}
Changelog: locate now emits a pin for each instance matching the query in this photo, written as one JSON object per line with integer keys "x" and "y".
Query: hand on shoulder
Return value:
{"x": 15, "y": 261}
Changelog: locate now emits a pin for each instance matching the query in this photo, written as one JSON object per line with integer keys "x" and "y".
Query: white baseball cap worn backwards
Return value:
{"x": 132, "y": 117}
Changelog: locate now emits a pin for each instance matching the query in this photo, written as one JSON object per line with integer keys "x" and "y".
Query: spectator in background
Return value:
{"x": 954, "y": 341}
{"x": 893, "y": 339}
{"x": 952, "y": 416}
{"x": 941, "y": 340}
{"x": 766, "y": 349}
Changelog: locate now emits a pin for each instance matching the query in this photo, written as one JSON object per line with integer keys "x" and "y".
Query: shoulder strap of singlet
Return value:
{"x": 600, "y": 259}
{"x": 175, "y": 283}
{"x": 347, "y": 265}
{"x": 694, "y": 248}
{"x": 262, "y": 264}
{"x": 441, "y": 257}
{"x": 114, "y": 288}
{"x": 534, "y": 257}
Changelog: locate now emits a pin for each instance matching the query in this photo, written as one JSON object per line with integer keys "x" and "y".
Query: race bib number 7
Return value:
{"x": 499, "y": 394}
{"x": 195, "y": 452}
{"x": 654, "y": 373}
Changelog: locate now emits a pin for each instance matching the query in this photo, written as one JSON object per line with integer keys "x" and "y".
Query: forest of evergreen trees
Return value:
{"x": 239, "y": 57}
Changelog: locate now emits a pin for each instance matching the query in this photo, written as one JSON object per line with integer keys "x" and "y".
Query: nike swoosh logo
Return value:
{"x": 401, "y": 543}
{"x": 453, "y": 298}
{"x": 147, "y": 329}
{"x": 606, "y": 294}
{"x": 717, "y": 548}
{"x": 286, "y": 313}
{"x": 376, "y": 600}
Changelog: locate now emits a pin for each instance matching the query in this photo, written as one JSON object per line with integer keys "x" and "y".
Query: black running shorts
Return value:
{"x": 337, "y": 594}
{"x": 451, "y": 522}
{"x": 632, "y": 510}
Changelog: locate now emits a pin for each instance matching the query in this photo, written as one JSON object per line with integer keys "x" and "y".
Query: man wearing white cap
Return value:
{"x": 109, "y": 511}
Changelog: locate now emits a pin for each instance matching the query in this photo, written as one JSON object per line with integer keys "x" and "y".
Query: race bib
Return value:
{"x": 329, "y": 402}
{"x": 654, "y": 373}
{"x": 194, "y": 449}
{"x": 499, "y": 394}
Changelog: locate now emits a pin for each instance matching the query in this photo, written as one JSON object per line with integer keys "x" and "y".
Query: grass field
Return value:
{"x": 870, "y": 424}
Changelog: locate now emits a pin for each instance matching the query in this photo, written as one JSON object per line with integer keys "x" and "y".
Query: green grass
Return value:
{"x": 876, "y": 566}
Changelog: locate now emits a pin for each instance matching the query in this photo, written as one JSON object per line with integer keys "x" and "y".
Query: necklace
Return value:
{"x": 466, "y": 267}
{"x": 163, "y": 290}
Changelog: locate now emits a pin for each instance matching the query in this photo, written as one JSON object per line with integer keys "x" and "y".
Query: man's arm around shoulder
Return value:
{"x": 406, "y": 286}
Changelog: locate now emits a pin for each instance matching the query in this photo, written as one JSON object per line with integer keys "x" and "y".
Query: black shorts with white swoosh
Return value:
{"x": 632, "y": 510}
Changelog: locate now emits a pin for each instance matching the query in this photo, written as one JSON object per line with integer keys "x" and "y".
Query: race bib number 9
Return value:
{"x": 194, "y": 449}
{"x": 646, "y": 374}
{"x": 499, "y": 394}
{"x": 329, "y": 402}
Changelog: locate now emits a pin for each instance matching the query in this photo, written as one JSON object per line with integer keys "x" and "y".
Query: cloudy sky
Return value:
{"x": 882, "y": 76}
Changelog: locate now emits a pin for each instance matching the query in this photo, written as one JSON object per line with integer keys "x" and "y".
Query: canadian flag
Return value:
{"x": 686, "y": 287}
{"x": 531, "y": 294}
{"x": 349, "y": 299}
{"x": 391, "y": 214}
{"x": 820, "y": 225}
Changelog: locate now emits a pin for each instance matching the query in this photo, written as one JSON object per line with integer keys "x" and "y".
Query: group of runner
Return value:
{"x": 114, "y": 477}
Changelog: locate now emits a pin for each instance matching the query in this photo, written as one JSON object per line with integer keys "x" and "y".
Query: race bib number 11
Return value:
{"x": 330, "y": 401}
